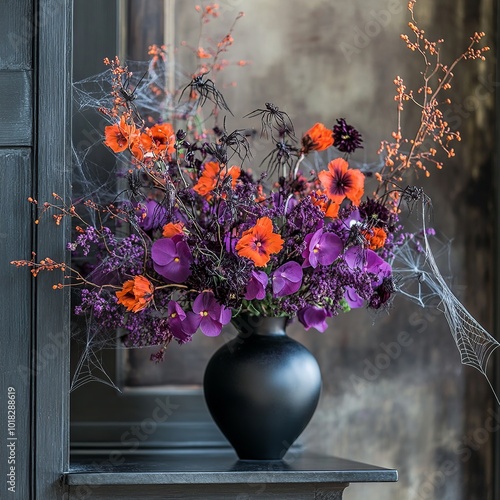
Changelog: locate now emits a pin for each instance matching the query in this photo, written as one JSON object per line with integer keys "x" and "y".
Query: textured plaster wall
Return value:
{"x": 395, "y": 393}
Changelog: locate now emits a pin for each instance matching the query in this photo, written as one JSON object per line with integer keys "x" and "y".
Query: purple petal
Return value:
{"x": 352, "y": 298}
{"x": 199, "y": 303}
{"x": 156, "y": 215}
{"x": 330, "y": 247}
{"x": 175, "y": 309}
{"x": 192, "y": 321}
{"x": 225, "y": 315}
{"x": 210, "y": 327}
{"x": 378, "y": 266}
{"x": 256, "y": 288}
{"x": 314, "y": 317}
{"x": 355, "y": 257}
{"x": 287, "y": 279}
{"x": 176, "y": 272}
{"x": 163, "y": 251}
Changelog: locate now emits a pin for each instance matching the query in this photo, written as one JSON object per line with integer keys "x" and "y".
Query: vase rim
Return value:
{"x": 260, "y": 325}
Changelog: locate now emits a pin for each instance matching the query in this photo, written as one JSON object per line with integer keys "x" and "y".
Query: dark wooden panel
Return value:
{"x": 16, "y": 116}
{"x": 16, "y": 33}
{"x": 53, "y": 162}
{"x": 15, "y": 318}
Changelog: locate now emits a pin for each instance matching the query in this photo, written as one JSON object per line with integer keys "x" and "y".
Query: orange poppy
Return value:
{"x": 210, "y": 176}
{"x": 339, "y": 183}
{"x": 136, "y": 294}
{"x": 259, "y": 242}
{"x": 172, "y": 228}
{"x": 120, "y": 135}
{"x": 375, "y": 238}
{"x": 163, "y": 137}
{"x": 141, "y": 146}
{"x": 317, "y": 138}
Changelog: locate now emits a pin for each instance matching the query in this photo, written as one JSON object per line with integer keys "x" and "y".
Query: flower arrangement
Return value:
{"x": 202, "y": 234}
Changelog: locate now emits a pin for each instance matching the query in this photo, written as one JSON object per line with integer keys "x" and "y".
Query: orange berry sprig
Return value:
{"x": 434, "y": 131}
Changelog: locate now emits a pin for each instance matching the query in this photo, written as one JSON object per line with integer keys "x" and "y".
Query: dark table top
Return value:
{"x": 217, "y": 467}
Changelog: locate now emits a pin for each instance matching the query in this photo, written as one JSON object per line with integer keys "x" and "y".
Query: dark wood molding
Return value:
{"x": 51, "y": 318}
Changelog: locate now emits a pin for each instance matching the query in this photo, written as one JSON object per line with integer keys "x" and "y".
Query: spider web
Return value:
{"x": 418, "y": 277}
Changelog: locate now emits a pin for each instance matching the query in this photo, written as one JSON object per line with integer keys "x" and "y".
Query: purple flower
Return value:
{"x": 180, "y": 325}
{"x": 208, "y": 315}
{"x": 172, "y": 258}
{"x": 354, "y": 301}
{"x": 256, "y": 288}
{"x": 369, "y": 262}
{"x": 377, "y": 266}
{"x": 322, "y": 248}
{"x": 151, "y": 215}
{"x": 287, "y": 279}
{"x": 315, "y": 317}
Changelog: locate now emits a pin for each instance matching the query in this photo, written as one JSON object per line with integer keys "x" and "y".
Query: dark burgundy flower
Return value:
{"x": 374, "y": 213}
{"x": 346, "y": 138}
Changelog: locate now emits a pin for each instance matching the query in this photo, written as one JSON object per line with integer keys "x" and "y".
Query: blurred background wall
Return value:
{"x": 395, "y": 393}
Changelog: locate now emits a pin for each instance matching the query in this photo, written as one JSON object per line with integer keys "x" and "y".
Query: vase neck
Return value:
{"x": 260, "y": 325}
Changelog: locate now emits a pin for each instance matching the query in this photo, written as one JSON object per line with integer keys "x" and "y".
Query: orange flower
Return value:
{"x": 339, "y": 182}
{"x": 211, "y": 175}
{"x": 259, "y": 242}
{"x": 136, "y": 294}
{"x": 163, "y": 136}
{"x": 375, "y": 238}
{"x": 120, "y": 135}
{"x": 141, "y": 146}
{"x": 171, "y": 229}
{"x": 208, "y": 178}
{"x": 235, "y": 173}
{"x": 317, "y": 138}
{"x": 325, "y": 205}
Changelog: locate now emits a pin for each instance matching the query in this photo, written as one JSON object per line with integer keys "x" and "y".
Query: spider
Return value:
{"x": 273, "y": 114}
{"x": 356, "y": 236}
{"x": 280, "y": 156}
{"x": 412, "y": 194}
{"x": 236, "y": 141}
{"x": 207, "y": 91}
{"x": 129, "y": 96}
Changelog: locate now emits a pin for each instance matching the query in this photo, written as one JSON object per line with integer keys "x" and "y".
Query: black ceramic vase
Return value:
{"x": 262, "y": 388}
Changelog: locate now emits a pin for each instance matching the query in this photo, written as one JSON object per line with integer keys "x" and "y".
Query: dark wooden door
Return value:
{"x": 34, "y": 154}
